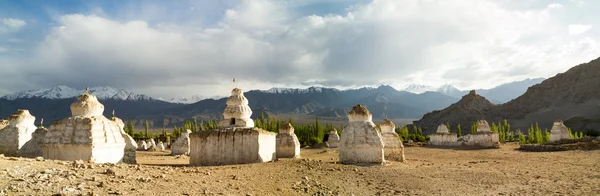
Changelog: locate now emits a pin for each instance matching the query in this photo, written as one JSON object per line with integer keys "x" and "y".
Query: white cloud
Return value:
{"x": 470, "y": 43}
{"x": 555, "y": 6}
{"x": 11, "y": 25}
{"x": 576, "y": 29}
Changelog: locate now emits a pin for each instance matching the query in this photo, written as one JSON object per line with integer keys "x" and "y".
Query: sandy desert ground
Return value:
{"x": 429, "y": 171}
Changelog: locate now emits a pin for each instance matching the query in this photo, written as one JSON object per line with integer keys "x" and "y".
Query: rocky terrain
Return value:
{"x": 571, "y": 96}
{"x": 429, "y": 171}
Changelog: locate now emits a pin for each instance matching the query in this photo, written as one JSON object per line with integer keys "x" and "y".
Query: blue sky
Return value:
{"x": 180, "y": 48}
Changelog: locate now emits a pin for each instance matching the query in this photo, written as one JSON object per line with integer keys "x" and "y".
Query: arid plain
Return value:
{"x": 429, "y": 171}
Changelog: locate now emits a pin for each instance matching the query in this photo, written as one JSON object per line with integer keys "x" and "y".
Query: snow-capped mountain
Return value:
{"x": 278, "y": 90}
{"x": 63, "y": 92}
{"x": 450, "y": 91}
{"x": 191, "y": 99}
{"x": 418, "y": 89}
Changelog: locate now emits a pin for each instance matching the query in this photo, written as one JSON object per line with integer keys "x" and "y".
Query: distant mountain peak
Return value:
{"x": 418, "y": 88}
{"x": 63, "y": 92}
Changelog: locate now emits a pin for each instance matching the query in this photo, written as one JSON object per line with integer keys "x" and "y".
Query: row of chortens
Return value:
{"x": 88, "y": 135}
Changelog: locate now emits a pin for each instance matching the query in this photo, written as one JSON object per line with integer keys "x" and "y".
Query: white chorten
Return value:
{"x": 17, "y": 133}
{"x": 360, "y": 141}
{"x": 559, "y": 131}
{"x": 34, "y": 147}
{"x": 236, "y": 141}
{"x": 181, "y": 146}
{"x": 237, "y": 113}
{"x": 87, "y": 135}
{"x": 288, "y": 145}
{"x": 142, "y": 145}
{"x": 484, "y": 137}
{"x": 391, "y": 141}
{"x": 334, "y": 139}
{"x": 443, "y": 137}
{"x": 160, "y": 146}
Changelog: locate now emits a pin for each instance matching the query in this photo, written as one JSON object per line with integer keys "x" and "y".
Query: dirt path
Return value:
{"x": 429, "y": 171}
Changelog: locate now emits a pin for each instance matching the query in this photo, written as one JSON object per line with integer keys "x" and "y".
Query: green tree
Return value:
{"x": 458, "y": 130}
{"x": 146, "y": 128}
{"x": 130, "y": 127}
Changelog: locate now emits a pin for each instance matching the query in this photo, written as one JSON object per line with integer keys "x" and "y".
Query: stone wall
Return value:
{"x": 482, "y": 139}
{"x": 444, "y": 139}
{"x": 181, "y": 146}
{"x": 232, "y": 146}
{"x": 288, "y": 145}
{"x": 18, "y": 132}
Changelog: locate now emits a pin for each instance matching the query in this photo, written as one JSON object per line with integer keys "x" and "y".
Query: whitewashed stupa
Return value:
{"x": 288, "y": 145}
{"x": 18, "y": 132}
{"x": 484, "y": 137}
{"x": 443, "y": 137}
{"x": 237, "y": 113}
{"x": 181, "y": 146}
{"x": 360, "y": 142}
{"x": 34, "y": 147}
{"x": 236, "y": 141}
{"x": 391, "y": 141}
{"x": 87, "y": 135}
{"x": 559, "y": 131}
{"x": 333, "y": 140}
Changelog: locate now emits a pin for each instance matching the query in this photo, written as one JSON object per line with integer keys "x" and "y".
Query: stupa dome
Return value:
{"x": 87, "y": 105}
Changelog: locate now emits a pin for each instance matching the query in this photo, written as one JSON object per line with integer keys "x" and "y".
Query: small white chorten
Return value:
{"x": 443, "y": 137}
{"x": 181, "y": 146}
{"x": 559, "y": 131}
{"x": 288, "y": 145}
{"x": 18, "y": 132}
{"x": 391, "y": 141}
{"x": 484, "y": 137}
{"x": 333, "y": 140}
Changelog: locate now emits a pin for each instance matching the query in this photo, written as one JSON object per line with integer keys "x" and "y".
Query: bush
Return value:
{"x": 591, "y": 132}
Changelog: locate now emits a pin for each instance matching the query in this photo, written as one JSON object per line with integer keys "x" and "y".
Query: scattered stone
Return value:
{"x": 39, "y": 158}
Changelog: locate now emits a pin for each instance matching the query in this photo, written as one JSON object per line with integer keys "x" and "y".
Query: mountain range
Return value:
{"x": 571, "y": 96}
{"x": 497, "y": 95}
{"x": 384, "y": 101}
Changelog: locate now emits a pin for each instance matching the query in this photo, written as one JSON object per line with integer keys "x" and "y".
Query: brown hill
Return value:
{"x": 572, "y": 96}
{"x": 467, "y": 110}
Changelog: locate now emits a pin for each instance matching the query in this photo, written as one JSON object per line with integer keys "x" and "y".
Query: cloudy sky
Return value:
{"x": 180, "y": 48}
